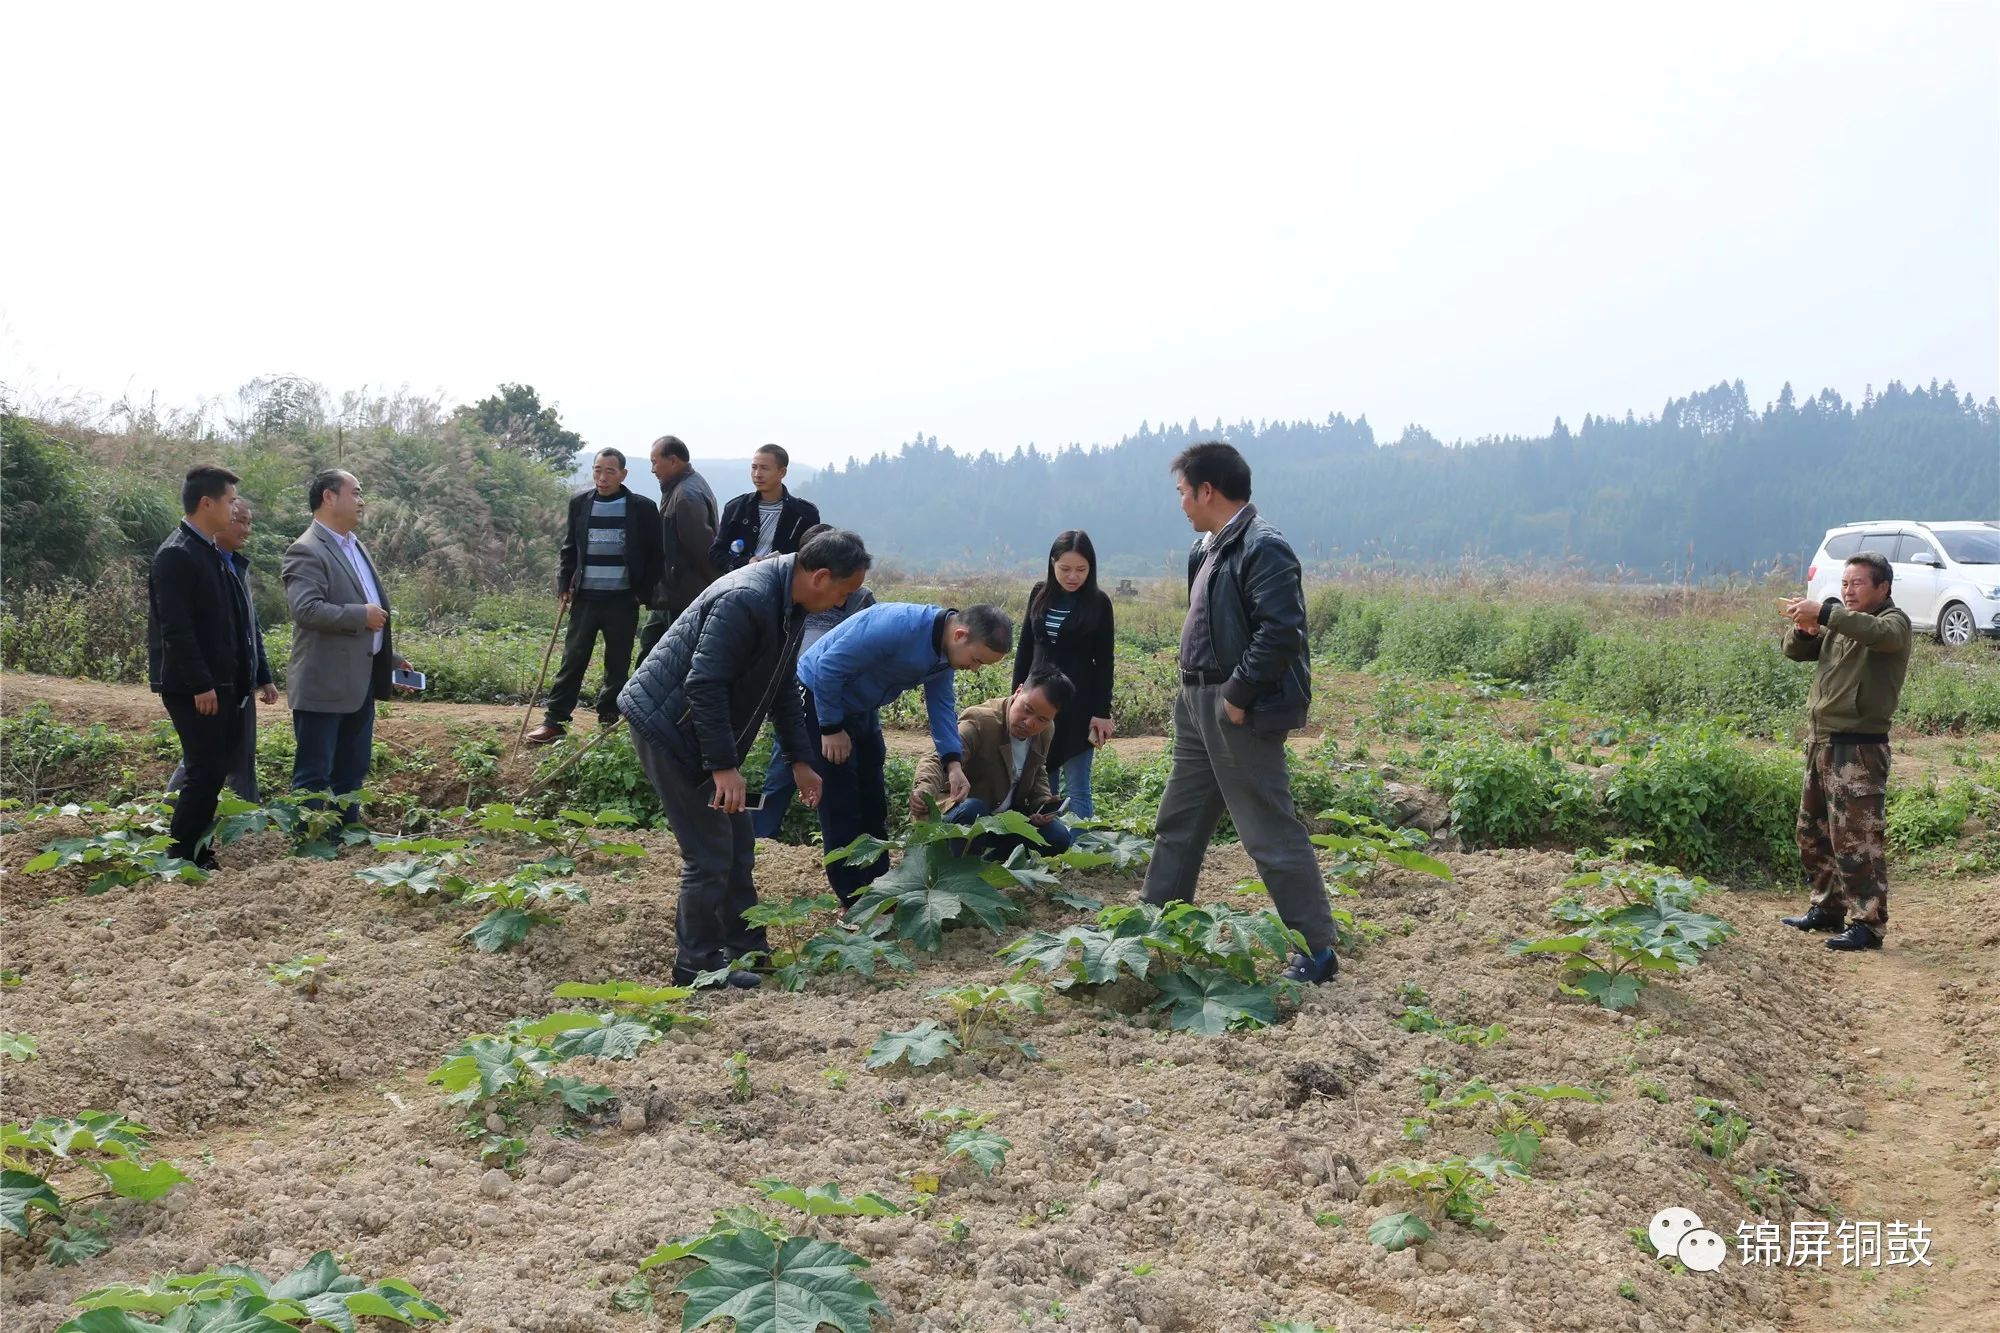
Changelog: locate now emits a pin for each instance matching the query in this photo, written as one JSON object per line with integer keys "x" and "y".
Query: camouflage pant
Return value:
{"x": 1841, "y": 830}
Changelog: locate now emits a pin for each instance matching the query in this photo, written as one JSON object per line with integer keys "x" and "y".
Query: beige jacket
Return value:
{"x": 982, "y": 730}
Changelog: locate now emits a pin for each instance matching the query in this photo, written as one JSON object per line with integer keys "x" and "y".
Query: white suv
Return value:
{"x": 1947, "y": 574}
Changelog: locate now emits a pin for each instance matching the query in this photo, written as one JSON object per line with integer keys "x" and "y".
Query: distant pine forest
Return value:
{"x": 1707, "y": 486}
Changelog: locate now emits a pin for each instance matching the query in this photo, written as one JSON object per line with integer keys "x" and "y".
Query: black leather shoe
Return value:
{"x": 1856, "y": 936}
{"x": 1816, "y": 918}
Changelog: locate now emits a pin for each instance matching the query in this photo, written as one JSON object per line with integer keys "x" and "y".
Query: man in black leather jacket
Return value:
{"x": 1245, "y": 683}
{"x": 696, "y": 704}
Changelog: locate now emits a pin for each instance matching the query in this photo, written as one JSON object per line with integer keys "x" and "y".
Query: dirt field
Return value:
{"x": 1158, "y": 1180}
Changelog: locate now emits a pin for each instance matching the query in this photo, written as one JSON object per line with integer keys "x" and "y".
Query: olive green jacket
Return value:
{"x": 1862, "y": 661}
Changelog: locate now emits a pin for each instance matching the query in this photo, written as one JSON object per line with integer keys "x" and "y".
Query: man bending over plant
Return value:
{"x": 695, "y": 706}
{"x": 1861, "y": 641}
{"x": 1245, "y": 683}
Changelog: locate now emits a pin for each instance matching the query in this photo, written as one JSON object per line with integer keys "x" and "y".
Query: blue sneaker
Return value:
{"x": 1313, "y": 969}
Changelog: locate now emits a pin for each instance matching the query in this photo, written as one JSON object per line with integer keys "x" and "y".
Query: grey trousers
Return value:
{"x": 1219, "y": 765}
{"x": 718, "y": 854}
{"x": 242, "y": 773}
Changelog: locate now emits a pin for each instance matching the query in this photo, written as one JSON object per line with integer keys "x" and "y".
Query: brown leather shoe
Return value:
{"x": 546, "y": 734}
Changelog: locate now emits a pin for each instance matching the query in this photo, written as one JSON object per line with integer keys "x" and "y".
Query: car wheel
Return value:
{"x": 1955, "y": 627}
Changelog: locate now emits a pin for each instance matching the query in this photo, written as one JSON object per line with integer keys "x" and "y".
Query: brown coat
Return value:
{"x": 982, "y": 730}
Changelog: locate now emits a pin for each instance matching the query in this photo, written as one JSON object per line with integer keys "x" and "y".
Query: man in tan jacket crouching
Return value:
{"x": 1006, "y": 762}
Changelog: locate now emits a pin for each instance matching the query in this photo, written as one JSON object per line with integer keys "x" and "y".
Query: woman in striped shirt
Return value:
{"x": 1069, "y": 626}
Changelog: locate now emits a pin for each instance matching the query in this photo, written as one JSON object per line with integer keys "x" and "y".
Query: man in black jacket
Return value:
{"x": 200, "y": 651}
{"x": 1245, "y": 683}
{"x": 767, "y": 521}
{"x": 611, "y": 562}
{"x": 696, "y": 704}
{"x": 243, "y": 771}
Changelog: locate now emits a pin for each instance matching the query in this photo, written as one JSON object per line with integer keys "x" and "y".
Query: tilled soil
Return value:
{"x": 1157, "y": 1181}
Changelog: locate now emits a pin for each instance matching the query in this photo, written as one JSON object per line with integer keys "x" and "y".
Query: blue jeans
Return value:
{"x": 333, "y": 752}
{"x": 778, "y": 785}
{"x": 1073, "y": 781}
{"x": 1058, "y": 834}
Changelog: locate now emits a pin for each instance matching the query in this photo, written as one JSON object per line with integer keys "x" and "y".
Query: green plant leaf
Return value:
{"x": 578, "y": 1096}
{"x": 613, "y": 1038}
{"x": 622, "y": 992}
{"x": 982, "y": 1147}
{"x": 921, "y": 1045}
{"x": 824, "y": 1200}
{"x": 75, "y": 1246}
{"x": 1519, "y": 1142}
{"x": 21, "y": 1191}
{"x": 930, "y": 890}
{"x": 129, "y": 1180}
{"x": 501, "y": 930}
{"x": 856, "y": 953}
{"x": 1398, "y": 1231}
{"x": 18, "y": 1046}
{"x": 1212, "y": 1002}
{"x": 1619, "y": 992}
{"x": 764, "y": 1287}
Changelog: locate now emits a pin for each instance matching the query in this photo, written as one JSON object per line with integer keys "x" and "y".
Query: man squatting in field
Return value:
{"x": 1861, "y": 641}
{"x": 695, "y": 705}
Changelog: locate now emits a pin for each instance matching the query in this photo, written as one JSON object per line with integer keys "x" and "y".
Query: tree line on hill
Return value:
{"x": 470, "y": 498}
{"x": 1706, "y": 486}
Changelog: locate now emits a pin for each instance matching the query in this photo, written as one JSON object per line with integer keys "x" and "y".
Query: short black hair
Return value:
{"x": 1877, "y": 565}
{"x": 837, "y": 551}
{"x": 671, "y": 446}
{"x": 1056, "y": 687}
{"x": 608, "y": 452}
{"x": 814, "y": 531}
{"x": 205, "y": 481}
{"x": 326, "y": 479}
{"x": 777, "y": 451}
{"x": 1215, "y": 464}
{"x": 989, "y": 625}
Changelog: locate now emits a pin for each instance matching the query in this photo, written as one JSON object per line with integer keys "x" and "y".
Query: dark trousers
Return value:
{"x": 778, "y": 784}
{"x": 333, "y": 752}
{"x": 1841, "y": 830}
{"x": 718, "y": 858}
{"x": 242, "y": 777}
{"x": 1219, "y": 765}
{"x": 617, "y": 619}
{"x": 656, "y": 625}
{"x": 853, "y": 800}
{"x": 208, "y": 748}
{"x": 1000, "y": 845}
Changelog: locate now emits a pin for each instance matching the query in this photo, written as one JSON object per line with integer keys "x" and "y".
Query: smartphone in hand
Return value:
{"x": 1055, "y": 805}
{"x": 408, "y": 679}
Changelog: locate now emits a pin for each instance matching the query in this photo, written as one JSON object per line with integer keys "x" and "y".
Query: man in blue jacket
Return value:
{"x": 696, "y": 704}
{"x": 1245, "y": 683}
{"x": 860, "y": 665}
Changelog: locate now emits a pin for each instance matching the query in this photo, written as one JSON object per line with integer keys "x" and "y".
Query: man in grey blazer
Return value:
{"x": 342, "y": 646}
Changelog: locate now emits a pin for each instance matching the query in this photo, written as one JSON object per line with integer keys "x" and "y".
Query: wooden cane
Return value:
{"x": 562, "y": 609}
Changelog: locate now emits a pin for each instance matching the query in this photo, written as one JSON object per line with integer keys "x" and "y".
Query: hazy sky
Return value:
{"x": 837, "y": 226}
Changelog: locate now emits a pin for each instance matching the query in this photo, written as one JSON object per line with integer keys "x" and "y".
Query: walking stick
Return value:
{"x": 562, "y": 609}
{"x": 581, "y": 751}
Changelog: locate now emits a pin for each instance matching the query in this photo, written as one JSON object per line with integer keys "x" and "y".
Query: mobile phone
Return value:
{"x": 755, "y": 802}
{"x": 1055, "y": 805}
{"x": 408, "y": 679}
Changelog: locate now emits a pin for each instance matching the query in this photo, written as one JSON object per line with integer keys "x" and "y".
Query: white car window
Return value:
{"x": 1912, "y": 547}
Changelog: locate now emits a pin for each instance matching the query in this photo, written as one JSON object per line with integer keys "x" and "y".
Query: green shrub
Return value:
{"x": 1695, "y": 673}
{"x": 1708, "y": 803}
{"x": 44, "y": 759}
{"x": 1437, "y": 639}
{"x": 1951, "y": 691}
{"x": 1920, "y": 818}
{"x": 1500, "y": 791}
{"x": 96, "y": 630}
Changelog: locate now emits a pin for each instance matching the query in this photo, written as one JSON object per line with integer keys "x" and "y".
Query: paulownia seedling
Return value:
{"x": 34, "y": 1157}
{"x": 233, "y": 1299}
